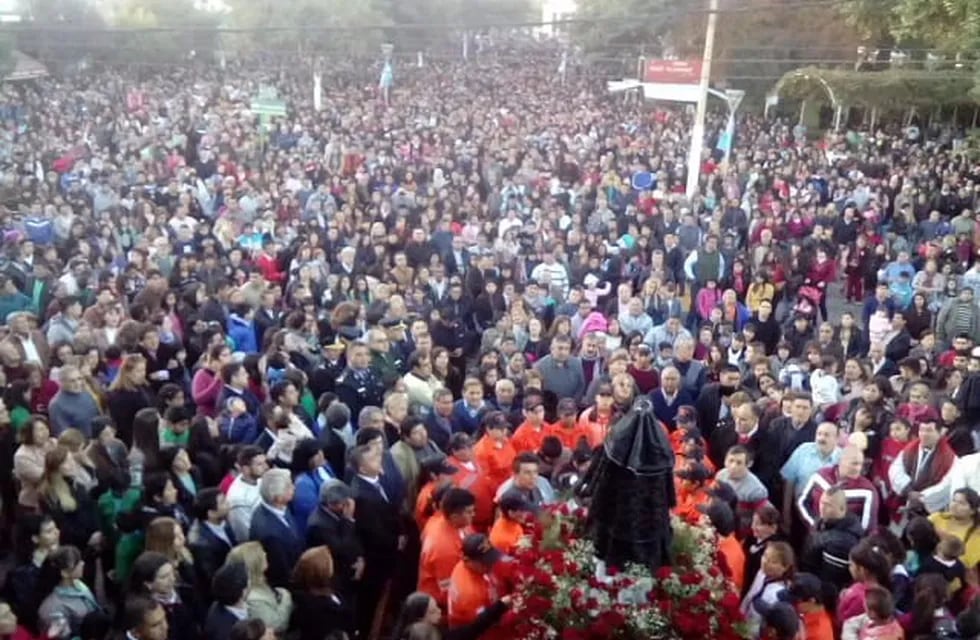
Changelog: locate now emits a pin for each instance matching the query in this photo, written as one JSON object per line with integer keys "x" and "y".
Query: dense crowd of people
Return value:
{"x": 311, "y": 381}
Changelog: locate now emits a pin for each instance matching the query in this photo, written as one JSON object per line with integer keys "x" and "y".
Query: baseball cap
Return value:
{"x": 805, "y": 586}
{"x": 439, "y": 466}
{"x": 695, "y": 472}
{"x": 476, "y": 546}
{"x": 512, "y": 500}
{"x": 566, "y": 407}
{"x": 349, "y": 333}
{"x": 686, "y": 414}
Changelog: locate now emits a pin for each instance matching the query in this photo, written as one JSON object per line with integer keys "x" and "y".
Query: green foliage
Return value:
{"x": 951, "y": 25}
{"x": 164, "y": 31}
{"x": 610, "y": 27}
{"x": 881, "y": 89}
{"x": 305, "y": 16}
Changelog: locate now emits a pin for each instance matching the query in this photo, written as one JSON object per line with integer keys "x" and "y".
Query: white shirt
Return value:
{"x": 965, "y": 473}
{"x": 243, "y": 498}
{"x": 31, "y": 354}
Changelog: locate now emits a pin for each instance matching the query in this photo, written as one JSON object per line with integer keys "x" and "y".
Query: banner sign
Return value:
{"x": 673, "y": 71}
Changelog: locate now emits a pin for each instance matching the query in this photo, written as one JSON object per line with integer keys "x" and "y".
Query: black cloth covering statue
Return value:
{"x": 629, "y": 489}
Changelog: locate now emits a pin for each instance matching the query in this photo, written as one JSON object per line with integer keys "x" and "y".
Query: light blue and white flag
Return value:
{"x": 387, "y": 77}
{"x": 725, "y": 139}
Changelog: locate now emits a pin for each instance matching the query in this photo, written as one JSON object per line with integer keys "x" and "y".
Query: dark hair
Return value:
{"x": 248, "y": 629}
{"x": 879, "y": 603}
{"x": 921, "y": 536}
{"x": 154, "y": 485}
{"x": 229, "y": 583}
{"x": 305, "y": 450}
{"x": 247, "y": 453}
{"x": 135, "y": 611}
{"x": 206, "y": 500}
{"x": 768, "y": 514}
{"x": 145, "y": 569}
{"x": 408, "y": 425}
{"x": 456, "y": 500}
{"x": 13, "y": 395}
{"x": 230, "y": 370}
{"x": 146, "y": 436}
{"x": 874, "y": 562}
{"x": 61, "y": 559}
{"x": 526, "y": 458}
{"x": 27, "y": 526}
{"x": 973, "y": 499}
{"x": 930, "y": 593}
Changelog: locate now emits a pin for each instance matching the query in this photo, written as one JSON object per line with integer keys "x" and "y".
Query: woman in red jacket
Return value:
{"x": 822, "y": 272}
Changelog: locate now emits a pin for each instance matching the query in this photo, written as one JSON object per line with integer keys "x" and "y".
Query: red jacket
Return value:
{"x": 269, "y": 267}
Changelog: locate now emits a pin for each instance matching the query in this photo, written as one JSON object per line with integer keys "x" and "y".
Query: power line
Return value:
{"x": 674, "y": 13}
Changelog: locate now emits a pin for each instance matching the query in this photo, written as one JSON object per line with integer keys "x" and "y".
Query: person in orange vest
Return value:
{"x": 567, "y": 428}
{"x": 494, "y": 452}
{"x": 472, "y": 587}
{"x": 440, "y": 474}
{"x": 692, "y": 492}
{"x": 442, "y": 543}
{"x": 528, "y": 437}
{"x": 597, "y": 419}
{"x": 723, "y": 520}
{"x": 508, "y": 529}
{"x": 472, "y": 477}
{"x": 805, "y": 593}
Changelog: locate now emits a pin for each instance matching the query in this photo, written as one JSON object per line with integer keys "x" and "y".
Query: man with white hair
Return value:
{"x": 274, "y": 527}
{"x": 345, "y": 262}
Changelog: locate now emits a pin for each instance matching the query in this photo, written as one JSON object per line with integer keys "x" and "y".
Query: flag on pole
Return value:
{"x": 562, "y": 67}
{"x": 725, "y": 139}
{"x": 387, "y": 76}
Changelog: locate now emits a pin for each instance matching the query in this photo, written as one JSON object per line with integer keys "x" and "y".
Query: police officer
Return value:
{"x": 382, "y": 360}
{"x": 359, "y": 385}
{"x": 399, "y": 344}
{"x": 323, "y": 378}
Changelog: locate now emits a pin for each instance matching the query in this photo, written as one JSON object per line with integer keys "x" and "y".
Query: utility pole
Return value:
{"x": 697, "y": 134}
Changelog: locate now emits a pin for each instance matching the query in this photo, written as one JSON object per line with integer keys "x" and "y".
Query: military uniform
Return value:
{"x": 390, "y": 366}
{"x": 359, "y": 389}
{"x": 324, "y": 378}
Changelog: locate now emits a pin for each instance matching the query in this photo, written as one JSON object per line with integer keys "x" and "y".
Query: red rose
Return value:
{"x": 612, "y": 572}
{"x": 664, "y": 573}
{"x": 691, "y": 578}
{"x": 573, "y": 634}
{"x": 730, "y": 602}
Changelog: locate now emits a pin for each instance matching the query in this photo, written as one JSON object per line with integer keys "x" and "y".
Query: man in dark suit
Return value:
{"x": 359, "y": 386}
{"x": 746, "y": 431}
{"x": 789, "y": 432}
{"x": 378, "y": 526}
{"x": 274, "y": 528}
{"x": 712, "y": 403}
{"x": 458, "y": 260}
{"x": 230, "y": 587}
{"x": 210, "y": 538}
{"x": 333, "y": 525}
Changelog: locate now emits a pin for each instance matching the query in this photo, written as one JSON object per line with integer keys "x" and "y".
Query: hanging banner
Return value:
{"x": 673, "y": 71}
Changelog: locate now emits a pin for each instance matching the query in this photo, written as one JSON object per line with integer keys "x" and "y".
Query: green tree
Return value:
{"x": 162, "y": 31}
{"x": 308, "y": 26}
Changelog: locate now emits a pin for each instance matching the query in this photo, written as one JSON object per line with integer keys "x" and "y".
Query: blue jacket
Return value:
{"x": 242, "y": 332}
{"x": 462, "y": 421}
{"x": 307, "y": 496}
{"x": 241, "y": 430}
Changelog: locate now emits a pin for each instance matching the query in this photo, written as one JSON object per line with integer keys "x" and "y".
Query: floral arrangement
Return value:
{"x": 563, "y": 592}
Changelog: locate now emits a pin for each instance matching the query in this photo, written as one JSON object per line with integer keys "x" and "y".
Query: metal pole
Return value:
{"x": 802, "y": 111}
{"x": 697, "y": 134}
{"x": 837, "y": 117}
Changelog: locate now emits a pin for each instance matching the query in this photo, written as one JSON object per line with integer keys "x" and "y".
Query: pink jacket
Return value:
{"x": 205, "y": 388}
{"x": 707, "y": 300}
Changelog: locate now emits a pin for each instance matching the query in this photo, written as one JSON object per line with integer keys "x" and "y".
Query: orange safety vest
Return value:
{"x": 469, "y": 594}
{"x": 506, "y": 534}
{"x": 424, "y": 509}
{"x": 479, "y": 484}
{"x": 497, "y": 463}
{"x": 569, "y": 436}
{"x": 442, "y": 549}
{"x": 528, "y": 438}
{"x": 734, "y": 554}
{"x": 596, "y": 429}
